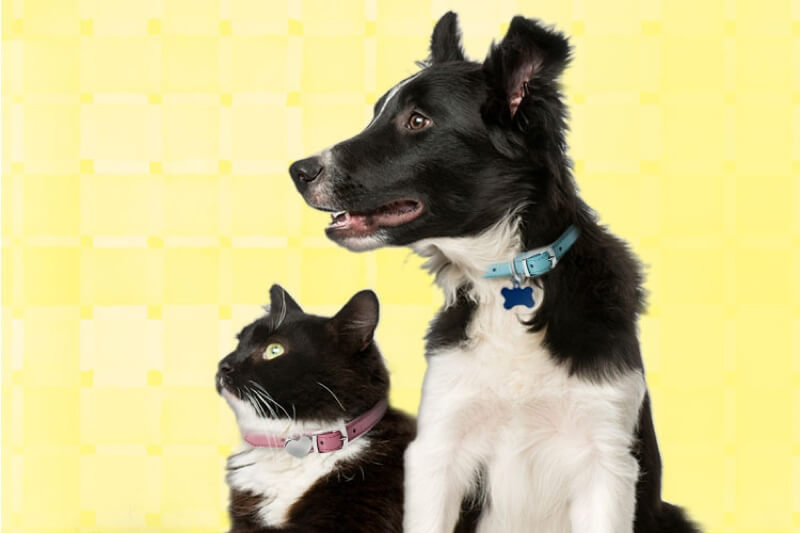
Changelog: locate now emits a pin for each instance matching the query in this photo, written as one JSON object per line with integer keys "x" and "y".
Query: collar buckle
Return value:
{"x": 548, "y": 254}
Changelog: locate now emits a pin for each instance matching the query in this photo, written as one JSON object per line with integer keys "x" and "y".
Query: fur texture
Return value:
{"x": 330, "y": 373}
{"x": 532, "y": 420}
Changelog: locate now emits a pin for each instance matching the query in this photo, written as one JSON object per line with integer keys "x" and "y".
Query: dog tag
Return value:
{"x": 517, "y": 295}
{"x": 299, "y": 447}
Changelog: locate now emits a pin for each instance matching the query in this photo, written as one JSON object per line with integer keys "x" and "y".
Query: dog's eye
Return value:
{"x": 417, "y": 122}
{"x": 274, "y": 350}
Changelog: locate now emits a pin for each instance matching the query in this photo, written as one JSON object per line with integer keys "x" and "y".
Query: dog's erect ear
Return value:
{"x": 355, "y": 322}
{"x": 446, "y": 40}
{"x": 529, "y": 51}
{"x": 281, "y": 303}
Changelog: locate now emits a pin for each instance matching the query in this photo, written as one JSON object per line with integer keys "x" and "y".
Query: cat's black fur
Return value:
{"x": 364, "y": 494}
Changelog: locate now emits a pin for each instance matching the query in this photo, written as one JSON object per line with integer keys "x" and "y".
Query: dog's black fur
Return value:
{"x": 495, "y": 144}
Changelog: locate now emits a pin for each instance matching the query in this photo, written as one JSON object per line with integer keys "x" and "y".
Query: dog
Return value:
{"x": 535, "y": 414}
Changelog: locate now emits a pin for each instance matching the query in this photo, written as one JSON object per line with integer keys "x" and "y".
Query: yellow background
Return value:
{"x": 146, "y": 209}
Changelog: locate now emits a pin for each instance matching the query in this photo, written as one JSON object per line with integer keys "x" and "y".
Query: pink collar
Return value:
{"x": 323, "y": 442}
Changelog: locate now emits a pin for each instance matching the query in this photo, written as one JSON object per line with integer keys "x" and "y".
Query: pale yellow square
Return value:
{"x": 52, "y": 358}
{"x": 135, "y": 471}
{"x": 253, "y": 270}
{"x": 345, "y": 17}
{"x": 198, "y": 217}
{"x": 259, "y": 132}
{"x": 46, "y": 18}
{"x": 43, "y": 426}
{"x": 52, "y": 136}
{"x": 191, "y": 17}
{"x": 61, "y": 469}
{"x": 45, "y": 285}
{"x": 190, "y": 131}
{"x": 120, "y": 415}
{"x": 51, "y": 65}
{"x": 121, "y": 204}
{"x": 249, "y": 17}
{"x": 259, "y": 63}
{"x": 120, "y": 64}
{"x": 191, "y": 275}
{"x": 116, "y": 363}
{"x": 190, "y": 63}
{"x": 121, "y": 276}
{"x": 103, "y": 137}
{"x": 49, "y": 204}
{"x": 321, "y": 70}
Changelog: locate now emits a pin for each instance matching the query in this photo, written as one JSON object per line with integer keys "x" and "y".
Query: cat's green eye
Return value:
{"x": 274, "y": 350}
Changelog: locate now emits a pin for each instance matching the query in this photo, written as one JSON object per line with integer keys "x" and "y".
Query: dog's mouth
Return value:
{"x": 365, "y": 223}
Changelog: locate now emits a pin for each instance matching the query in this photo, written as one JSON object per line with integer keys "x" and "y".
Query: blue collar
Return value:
{"x": 535, "y": 262}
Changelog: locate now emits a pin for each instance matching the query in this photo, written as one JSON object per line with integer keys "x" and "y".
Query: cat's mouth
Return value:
{"x": 224, "y": 386}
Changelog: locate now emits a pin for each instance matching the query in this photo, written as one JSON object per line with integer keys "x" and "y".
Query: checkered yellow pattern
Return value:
{"x": 146, "y": 209}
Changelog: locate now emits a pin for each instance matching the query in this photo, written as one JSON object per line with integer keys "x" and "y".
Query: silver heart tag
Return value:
{"x": 299, "y": 447}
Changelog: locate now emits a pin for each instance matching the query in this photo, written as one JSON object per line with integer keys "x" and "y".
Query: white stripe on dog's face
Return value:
{"x": 392, "y": 92}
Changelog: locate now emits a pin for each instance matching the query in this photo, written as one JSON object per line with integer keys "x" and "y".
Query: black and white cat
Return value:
{"x": 322, "y": 450}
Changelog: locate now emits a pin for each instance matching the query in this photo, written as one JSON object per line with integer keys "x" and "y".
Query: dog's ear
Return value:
{"x": 446, "y": 40}
{"x": 529, "y": 51}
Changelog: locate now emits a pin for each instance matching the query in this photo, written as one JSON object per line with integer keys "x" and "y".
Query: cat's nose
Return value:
{"x": 225, "y": 367}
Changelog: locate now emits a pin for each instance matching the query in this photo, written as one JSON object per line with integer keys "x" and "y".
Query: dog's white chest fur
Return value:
{"x": 501, "y": 419}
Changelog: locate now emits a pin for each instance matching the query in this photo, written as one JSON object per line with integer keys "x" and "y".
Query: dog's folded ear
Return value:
{"x": 529, "y": 52}
{"x": 446, "y": 40}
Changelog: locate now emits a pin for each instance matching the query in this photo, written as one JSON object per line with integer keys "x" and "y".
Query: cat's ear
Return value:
{"x": 280, "y": 302}
{"x": 355, "y": 322}
{"x": 529, "y": 51}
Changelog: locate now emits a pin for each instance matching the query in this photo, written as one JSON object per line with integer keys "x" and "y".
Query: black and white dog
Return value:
{"x": 535, "y": 414}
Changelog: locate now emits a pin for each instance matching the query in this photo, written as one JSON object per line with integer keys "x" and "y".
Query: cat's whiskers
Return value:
{"x": 332, "y": 394}
{"x": 259, "y": 403}
{"x": 258, "y": 388}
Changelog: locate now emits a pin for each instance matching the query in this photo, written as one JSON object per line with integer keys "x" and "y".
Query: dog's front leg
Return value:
{"x": 604, "y": 494}
{"x": 442, "y": 464}
{"x": 437, "y": 477}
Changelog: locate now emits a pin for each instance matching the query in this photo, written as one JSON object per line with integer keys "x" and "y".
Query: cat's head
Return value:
{"x": 293, "y": 365}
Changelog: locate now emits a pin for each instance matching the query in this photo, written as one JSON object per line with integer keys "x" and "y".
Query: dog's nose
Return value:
{"x": 305, "y": 170}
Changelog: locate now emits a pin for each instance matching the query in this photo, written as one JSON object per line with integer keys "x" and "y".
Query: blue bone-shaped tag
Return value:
{"x": 517, "y": 296}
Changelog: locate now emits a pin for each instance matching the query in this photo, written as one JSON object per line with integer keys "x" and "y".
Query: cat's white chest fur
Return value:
{"x": 280, "y": 478}
{"x": 274, "y": 474}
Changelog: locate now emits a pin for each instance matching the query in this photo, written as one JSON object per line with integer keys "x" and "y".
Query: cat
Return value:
{"x": 295, "y": 382}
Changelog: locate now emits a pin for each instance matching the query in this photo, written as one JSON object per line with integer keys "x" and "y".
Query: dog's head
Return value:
{"x": 451, "y": 149}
